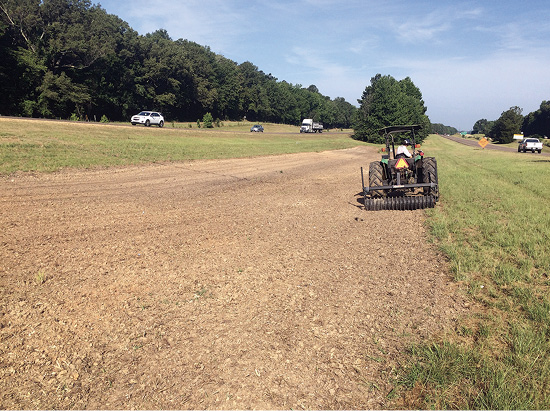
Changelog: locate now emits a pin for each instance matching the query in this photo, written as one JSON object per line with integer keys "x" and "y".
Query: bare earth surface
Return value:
{"x": 232, "y": 284}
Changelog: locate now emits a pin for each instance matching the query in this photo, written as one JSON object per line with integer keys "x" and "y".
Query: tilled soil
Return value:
{"x": 231, "y": 284}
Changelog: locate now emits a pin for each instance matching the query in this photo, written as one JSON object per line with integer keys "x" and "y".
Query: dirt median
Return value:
{"x": 230, "y": 284}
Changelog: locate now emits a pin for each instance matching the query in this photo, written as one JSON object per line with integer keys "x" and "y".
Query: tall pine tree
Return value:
{"x": 386, "y": 102}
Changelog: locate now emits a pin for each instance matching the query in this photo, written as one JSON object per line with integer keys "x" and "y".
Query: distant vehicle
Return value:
{"x": 148, "y": 118}
{"x": 530, "y": 144}
{"x": 257, "y": 128}
{"x": 309, "y": 126}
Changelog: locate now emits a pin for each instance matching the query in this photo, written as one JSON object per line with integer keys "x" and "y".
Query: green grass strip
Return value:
{"x": 494, "y": 225}
{"x": 46, "y": 146}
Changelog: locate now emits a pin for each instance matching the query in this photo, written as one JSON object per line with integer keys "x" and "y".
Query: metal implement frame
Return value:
{"x": 395, "y": 186}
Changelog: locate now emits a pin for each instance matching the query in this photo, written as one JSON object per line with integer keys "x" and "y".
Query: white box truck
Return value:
{"x": 309, "y": 126}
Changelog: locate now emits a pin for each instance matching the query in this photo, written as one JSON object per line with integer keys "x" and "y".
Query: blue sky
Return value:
{"x": 470, "y": 59}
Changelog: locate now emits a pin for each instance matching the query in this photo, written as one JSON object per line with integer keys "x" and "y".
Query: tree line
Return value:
{"x": 535, "y": 124}
{"x": 70, "y": 58}
{"x": 442, "y": 129}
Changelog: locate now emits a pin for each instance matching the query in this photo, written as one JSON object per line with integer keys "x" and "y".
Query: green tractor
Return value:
{"x": 399, "y": 182}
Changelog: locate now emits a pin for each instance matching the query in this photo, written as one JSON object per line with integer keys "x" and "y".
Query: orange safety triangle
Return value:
{"x": 402, "y": 163}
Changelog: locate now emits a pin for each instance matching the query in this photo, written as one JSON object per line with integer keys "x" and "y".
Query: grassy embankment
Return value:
{"x": 493, "y": 222}
{"x": 513, "y": 144}
{"x": 45, "y": 146}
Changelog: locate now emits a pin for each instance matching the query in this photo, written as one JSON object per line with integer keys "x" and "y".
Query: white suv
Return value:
{"x": 148, "y": 118}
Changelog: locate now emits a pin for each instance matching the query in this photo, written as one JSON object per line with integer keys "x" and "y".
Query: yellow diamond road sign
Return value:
{"x": 483, "y": 142}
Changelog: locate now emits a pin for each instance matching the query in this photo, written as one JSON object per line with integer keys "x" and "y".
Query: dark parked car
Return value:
{"x": 257, "y": 128}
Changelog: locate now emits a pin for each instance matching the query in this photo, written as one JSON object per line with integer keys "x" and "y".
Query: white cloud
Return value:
{"x": 420, "y": 31}
{"x": 214, "y": 23}
{"x": 310, "y": 66}
{"x": 469, "y": 13}
{"x": 363, "y": 45}
{"x": 419, "y": 26}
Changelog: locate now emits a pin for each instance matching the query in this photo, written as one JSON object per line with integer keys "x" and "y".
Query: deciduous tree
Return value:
{"x": 508, "y": 124}
{"x": 386, "y": 102}
{"x": 538, "y": 122}
{"x": 482, "y": 126}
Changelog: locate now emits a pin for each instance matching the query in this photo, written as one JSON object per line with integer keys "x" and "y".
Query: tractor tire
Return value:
{"x": 430, "y": 176}
{"x": 376, "y": 178}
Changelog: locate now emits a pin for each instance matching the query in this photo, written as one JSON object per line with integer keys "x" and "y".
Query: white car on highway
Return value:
{"x": 148, "y": 118}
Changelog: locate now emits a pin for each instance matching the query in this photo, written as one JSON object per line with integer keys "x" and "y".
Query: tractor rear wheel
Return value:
{"x": 430, "y": 176}
{"x": 376, "y": 178}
